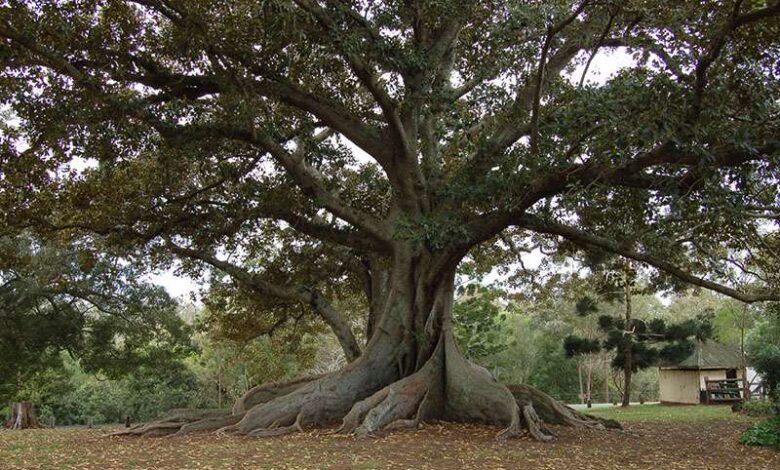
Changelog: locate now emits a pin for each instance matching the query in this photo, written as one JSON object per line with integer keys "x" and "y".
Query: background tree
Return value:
{"x": 56, "y": 299}
{"x": 479, "y": 323}
{"x": 623, "y": 277}
{"x": 763, "y": 348}
{"x": 304, "y": 148}
{"x": 637, "y": 344}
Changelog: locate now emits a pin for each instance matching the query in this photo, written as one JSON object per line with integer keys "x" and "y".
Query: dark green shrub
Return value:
{"x": 765, "y": 433}
{"x": 760, "y": 408}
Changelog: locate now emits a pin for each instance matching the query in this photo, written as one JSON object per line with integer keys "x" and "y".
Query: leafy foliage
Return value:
{"x": 575, "y": 345}
{"x": 480, "y": 324}
{"x": 70, "y": 395}
{"x": 765, "y": 433}
{"x": 763, "y": 350}
{"x": 758, "y": 408}
{"x": 214, "y": 373}
{"x": 56, "y": 298}
{"x": 649, "y": 343}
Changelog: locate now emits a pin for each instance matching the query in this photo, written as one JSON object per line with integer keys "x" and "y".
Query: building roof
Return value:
{"x": 710, "y": 355}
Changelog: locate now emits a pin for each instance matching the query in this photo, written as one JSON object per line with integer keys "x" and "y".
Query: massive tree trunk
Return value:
{"x": 22, "y": 416}
{"x": 411, "y": 371}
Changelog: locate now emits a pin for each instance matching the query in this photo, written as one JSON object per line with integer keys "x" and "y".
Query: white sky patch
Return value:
{"x": 179, "y": 287}
{"x": 605, "y": 65}
{"x": 79, "y": 164}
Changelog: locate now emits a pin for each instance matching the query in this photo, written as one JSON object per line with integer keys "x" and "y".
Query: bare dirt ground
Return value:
{"x": 656, "y": 445}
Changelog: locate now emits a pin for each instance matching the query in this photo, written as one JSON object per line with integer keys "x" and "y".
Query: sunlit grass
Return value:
{"x": 666, "y": 413}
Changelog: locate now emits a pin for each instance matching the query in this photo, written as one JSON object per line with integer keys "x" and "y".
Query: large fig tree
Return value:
{"x": 303, "y": 147}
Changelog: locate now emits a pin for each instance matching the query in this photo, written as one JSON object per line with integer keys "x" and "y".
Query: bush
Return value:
{"x": 765, "y": 433}
{"x": 760, "y": 408}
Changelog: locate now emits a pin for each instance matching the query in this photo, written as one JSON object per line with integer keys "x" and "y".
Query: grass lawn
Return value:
{"x": 667, "y": 414}
{"x": 655, "y": 437}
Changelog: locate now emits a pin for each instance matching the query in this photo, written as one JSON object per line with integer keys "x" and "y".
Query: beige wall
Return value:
{"x": 683, "y": 386}
{"x": 715, "y": 375}
{"x": 679, "y": 386}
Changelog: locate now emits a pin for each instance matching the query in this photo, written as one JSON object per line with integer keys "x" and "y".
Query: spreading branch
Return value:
{"x": 304, "y": 294}
{"x": 583, "y": 238}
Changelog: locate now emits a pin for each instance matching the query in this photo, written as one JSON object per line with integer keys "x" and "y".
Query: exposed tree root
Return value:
{"x": 396, "y": 406}
{"x": 275, "y": 430}
{"x": 278, "y": 416}
{"x": 354, "y": 418}
{"x": 447, "y": 387}
{"x": 321, "y": 401}
{"x": 210, "y": 424}
{"x": 535, "y": 425}
{"x": 174, "y": 421}
{"x": 267, "y": 392}
{"x": 467, "y": 393}
{"x": 368, "y": 397}
{"x": 473, "y": 395}
{"x": 514, "y": 429}
{"x": 552, "y": 411}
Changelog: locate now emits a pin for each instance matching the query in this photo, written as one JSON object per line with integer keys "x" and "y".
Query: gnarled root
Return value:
{"x": 473, "y": 395}
{"x": 267, "y": 392}
{"x": 183, "y": 421}
{"x": 535, "y": 425}
{"x": 447, "y": 387}
{"x": 173, "y": 422}
{"x": 552, "y": 411}
{"x": 276, "y": 430}
{"x": 321, "y": 401}
{"x": 210, "y": 424}
{"x": 368, "y": 397}
{"x": 401, "y": 405}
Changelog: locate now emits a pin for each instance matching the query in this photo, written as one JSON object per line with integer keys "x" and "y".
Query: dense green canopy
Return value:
{"x": 56, "y": 299}
{"x": 206, "y": 125}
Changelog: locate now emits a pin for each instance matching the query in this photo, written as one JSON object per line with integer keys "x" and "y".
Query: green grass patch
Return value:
{"x": 666, "y": 413}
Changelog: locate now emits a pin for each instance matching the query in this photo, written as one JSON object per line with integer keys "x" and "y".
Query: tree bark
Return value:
{"x": 588, "y": 383}
{"x": 627, "y": 360}
{"x": 22, "y": 416}
{"x": 607, "y": 373}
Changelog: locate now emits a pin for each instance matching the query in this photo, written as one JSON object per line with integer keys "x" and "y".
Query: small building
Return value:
{"x": 712, "y": 373}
